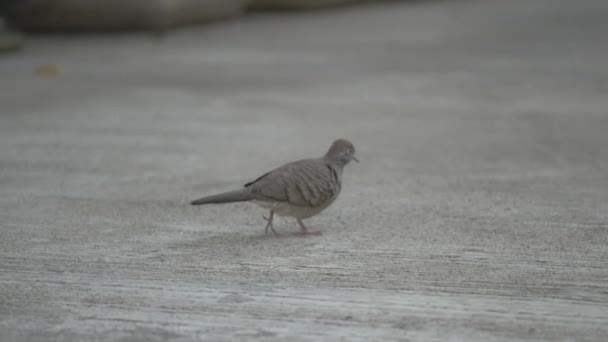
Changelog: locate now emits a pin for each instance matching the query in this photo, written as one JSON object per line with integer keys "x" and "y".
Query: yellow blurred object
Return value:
{"x": 47, "y": 70}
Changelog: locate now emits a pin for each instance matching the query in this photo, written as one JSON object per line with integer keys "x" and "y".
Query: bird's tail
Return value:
{"x": 225, "y": 197}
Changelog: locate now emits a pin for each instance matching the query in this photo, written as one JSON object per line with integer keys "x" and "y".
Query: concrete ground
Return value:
{"x": 479, "y": 211}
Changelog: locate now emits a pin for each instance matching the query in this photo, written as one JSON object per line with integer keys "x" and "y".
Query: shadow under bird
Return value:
{"x": 299, "y": 189}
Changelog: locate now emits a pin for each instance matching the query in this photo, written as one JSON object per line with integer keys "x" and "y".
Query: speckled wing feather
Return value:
{"x": 306, "y": 183}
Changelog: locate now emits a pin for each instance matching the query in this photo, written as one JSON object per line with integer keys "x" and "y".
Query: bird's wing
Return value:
{"x": 309, "y": 182}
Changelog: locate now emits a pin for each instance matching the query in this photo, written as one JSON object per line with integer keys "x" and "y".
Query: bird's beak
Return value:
{"x": 355, "y": 159}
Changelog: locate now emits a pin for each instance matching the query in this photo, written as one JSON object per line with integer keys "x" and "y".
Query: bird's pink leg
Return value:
{"x": 306, "y": 231}
{"x": 269, "y": 224}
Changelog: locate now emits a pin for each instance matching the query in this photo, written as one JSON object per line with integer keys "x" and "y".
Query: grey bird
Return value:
{"x": 299, "y": 189}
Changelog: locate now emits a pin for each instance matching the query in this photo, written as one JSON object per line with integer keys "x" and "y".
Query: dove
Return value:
{"x": 300, "y": 189}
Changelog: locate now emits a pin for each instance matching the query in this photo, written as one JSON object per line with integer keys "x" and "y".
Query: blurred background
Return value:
{"x": 479, "y": 210}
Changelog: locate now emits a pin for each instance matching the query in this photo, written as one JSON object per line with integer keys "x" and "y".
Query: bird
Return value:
{"x": 299, "y": 189}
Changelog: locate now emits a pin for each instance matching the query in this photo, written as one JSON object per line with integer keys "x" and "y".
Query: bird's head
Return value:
{"x": 341, "y": 151}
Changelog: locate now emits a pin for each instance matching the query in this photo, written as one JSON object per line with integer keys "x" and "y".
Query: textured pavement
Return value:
{"x": 479, "y": 210}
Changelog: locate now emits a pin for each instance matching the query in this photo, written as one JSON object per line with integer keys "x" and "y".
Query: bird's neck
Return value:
{"x": 336, "y": 163}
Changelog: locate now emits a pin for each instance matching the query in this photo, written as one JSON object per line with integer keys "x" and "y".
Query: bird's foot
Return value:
{"x": 274, "y": 232}
{"x": 269, "y": 226}
{"x": 305, "y": 230}
{"x": 308, "y": 231}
